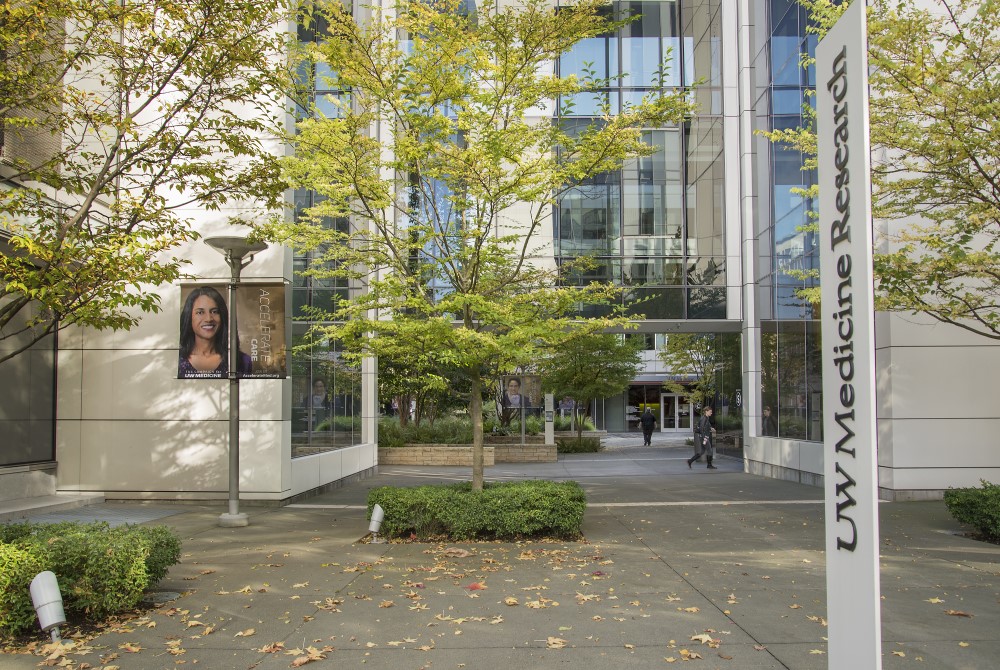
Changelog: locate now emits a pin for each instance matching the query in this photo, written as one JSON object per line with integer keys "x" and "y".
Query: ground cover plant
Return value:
{"x": 501, "y": 511}
{"x": 458, "y": 430}
{"x": 586, "y": 445}
{"x": 101, "y": 570}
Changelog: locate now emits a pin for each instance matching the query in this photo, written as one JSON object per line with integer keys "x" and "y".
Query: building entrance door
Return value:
{"x": 675, "y": 413}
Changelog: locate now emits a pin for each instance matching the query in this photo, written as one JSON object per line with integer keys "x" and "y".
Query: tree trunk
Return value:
{"x": 579, "y": 421}
{"x": 476, "y": 412}
{"x": 404, "y": 410}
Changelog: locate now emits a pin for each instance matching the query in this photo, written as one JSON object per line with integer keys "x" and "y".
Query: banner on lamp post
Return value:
{"x": 850, "y": 454}
{"x": 204, "y": 327}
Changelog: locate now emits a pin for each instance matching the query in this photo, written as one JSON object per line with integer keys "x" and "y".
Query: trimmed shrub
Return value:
{"x": 101, "y": 570}
{"x": 978, "y": 507}
{"x": 164, "y": 550}
{"x": 18, "y": 567}
{"x": 586, "y": 445}
{"x": 501, "y": 511}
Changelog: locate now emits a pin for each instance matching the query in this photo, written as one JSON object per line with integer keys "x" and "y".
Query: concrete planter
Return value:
{"x": 461, "y": 454}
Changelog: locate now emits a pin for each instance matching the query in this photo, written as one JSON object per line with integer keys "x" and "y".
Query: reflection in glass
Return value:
{"x": 640, "y": 270}
{"x": 326, "y": 397}
{"x": 588, "y": 219}
{"x": 791, "y": 378}
{"x": 707, "y": 303}
{"x": 706, "y": 179}
{"x": 655, "y": 303}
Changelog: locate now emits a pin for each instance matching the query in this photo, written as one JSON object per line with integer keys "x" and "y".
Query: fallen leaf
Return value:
{"x": 386, "y": 603}
{"x": 556, "y": 642}
{"x": 301, "y": 585}
{"x": 957, "y": 613}
{"x": 510, "y": 601}
{"x": 899, "y": 653}
{"x": 130, "y": 647}
{"x": 934, "y": 601}
{"x": 963, "y": 644}
{"x": 272, "y": 648}
{"x": 816, "y": 651}
{"x": 476, "y": 586}
{"x": 455, "y": 552}
{"x": 246, "y": 633}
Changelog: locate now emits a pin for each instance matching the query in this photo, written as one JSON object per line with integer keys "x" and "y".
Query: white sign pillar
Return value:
{"x": 550, "y": 411}
{"x": 849, "y": 433}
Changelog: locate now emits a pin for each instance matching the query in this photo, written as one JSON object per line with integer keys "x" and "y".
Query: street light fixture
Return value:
{"x": 235, "y": 249}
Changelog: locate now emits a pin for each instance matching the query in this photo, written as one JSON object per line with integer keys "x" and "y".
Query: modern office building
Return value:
{"x": 707, "y": 231}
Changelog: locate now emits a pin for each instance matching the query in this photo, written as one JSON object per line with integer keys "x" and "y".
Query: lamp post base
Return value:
{"x": 233, "y": 520}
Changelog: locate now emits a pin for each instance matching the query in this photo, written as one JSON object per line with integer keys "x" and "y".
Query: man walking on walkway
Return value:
{"x": 704, "y": 439}
{"x": 648, "y": 422}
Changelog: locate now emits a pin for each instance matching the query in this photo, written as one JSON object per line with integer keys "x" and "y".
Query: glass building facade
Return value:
{"x": 791, "y": 381}
{"x": 655, "y": 227}
{"x": 658, "y": 228}
{"x": 326, "y": 393}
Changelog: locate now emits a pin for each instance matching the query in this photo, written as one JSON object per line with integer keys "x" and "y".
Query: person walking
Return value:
{"x": 704, "y": 439}
{"x": 648, "y": 422}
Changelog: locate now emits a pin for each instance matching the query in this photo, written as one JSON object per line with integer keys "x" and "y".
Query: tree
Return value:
{"x": 589, "y": 366}
{"x": 935, "y": 114}
{"x": 935, "y": 82}
{"x": 709, "y": 358}
{"x": 447, "y": 161}
{"x": 118, "y": 118}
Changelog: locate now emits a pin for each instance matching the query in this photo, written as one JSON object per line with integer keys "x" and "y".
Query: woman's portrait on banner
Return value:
{"x": 203, "y": 351}
{"x": 204, "y": 337}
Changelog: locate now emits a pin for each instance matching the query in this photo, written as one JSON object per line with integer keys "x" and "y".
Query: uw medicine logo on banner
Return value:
{"x": 204, "y": 331}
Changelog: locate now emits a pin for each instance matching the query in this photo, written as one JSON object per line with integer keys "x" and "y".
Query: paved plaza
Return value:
{"x": 717, "y": 568}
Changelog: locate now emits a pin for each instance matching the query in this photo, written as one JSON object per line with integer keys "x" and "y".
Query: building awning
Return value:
{"x": 661, "y": 378}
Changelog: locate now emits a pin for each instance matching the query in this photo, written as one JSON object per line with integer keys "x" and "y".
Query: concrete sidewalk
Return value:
{"x": 716, "y": 567}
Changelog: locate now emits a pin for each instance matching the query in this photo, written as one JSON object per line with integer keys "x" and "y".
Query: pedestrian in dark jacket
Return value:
{"x": 704, "y": 439}
{"x": 768, "y": 425}
{"x": 648, "y": 422}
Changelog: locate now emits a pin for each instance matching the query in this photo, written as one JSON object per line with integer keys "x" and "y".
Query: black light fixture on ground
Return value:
{"x": 235, "y": 249}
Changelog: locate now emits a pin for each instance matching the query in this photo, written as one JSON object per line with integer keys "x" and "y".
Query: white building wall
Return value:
{"x": 938, "y": 414}
{"x": 128, "y": 428}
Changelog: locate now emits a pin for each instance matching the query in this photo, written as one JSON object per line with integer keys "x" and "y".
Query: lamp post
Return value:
{"x": 235, "y": 249}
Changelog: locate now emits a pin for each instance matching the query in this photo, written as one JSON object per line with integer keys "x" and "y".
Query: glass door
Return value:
{"x": 668, "y": 416}
{"x": 676, "y": 413}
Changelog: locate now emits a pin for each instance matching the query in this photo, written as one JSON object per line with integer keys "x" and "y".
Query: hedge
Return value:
{"x": 978, "y": 507}
{"x": 501, "y": 511}
{"x": 570, "y": 445}
{"x": 101, "y": 570}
